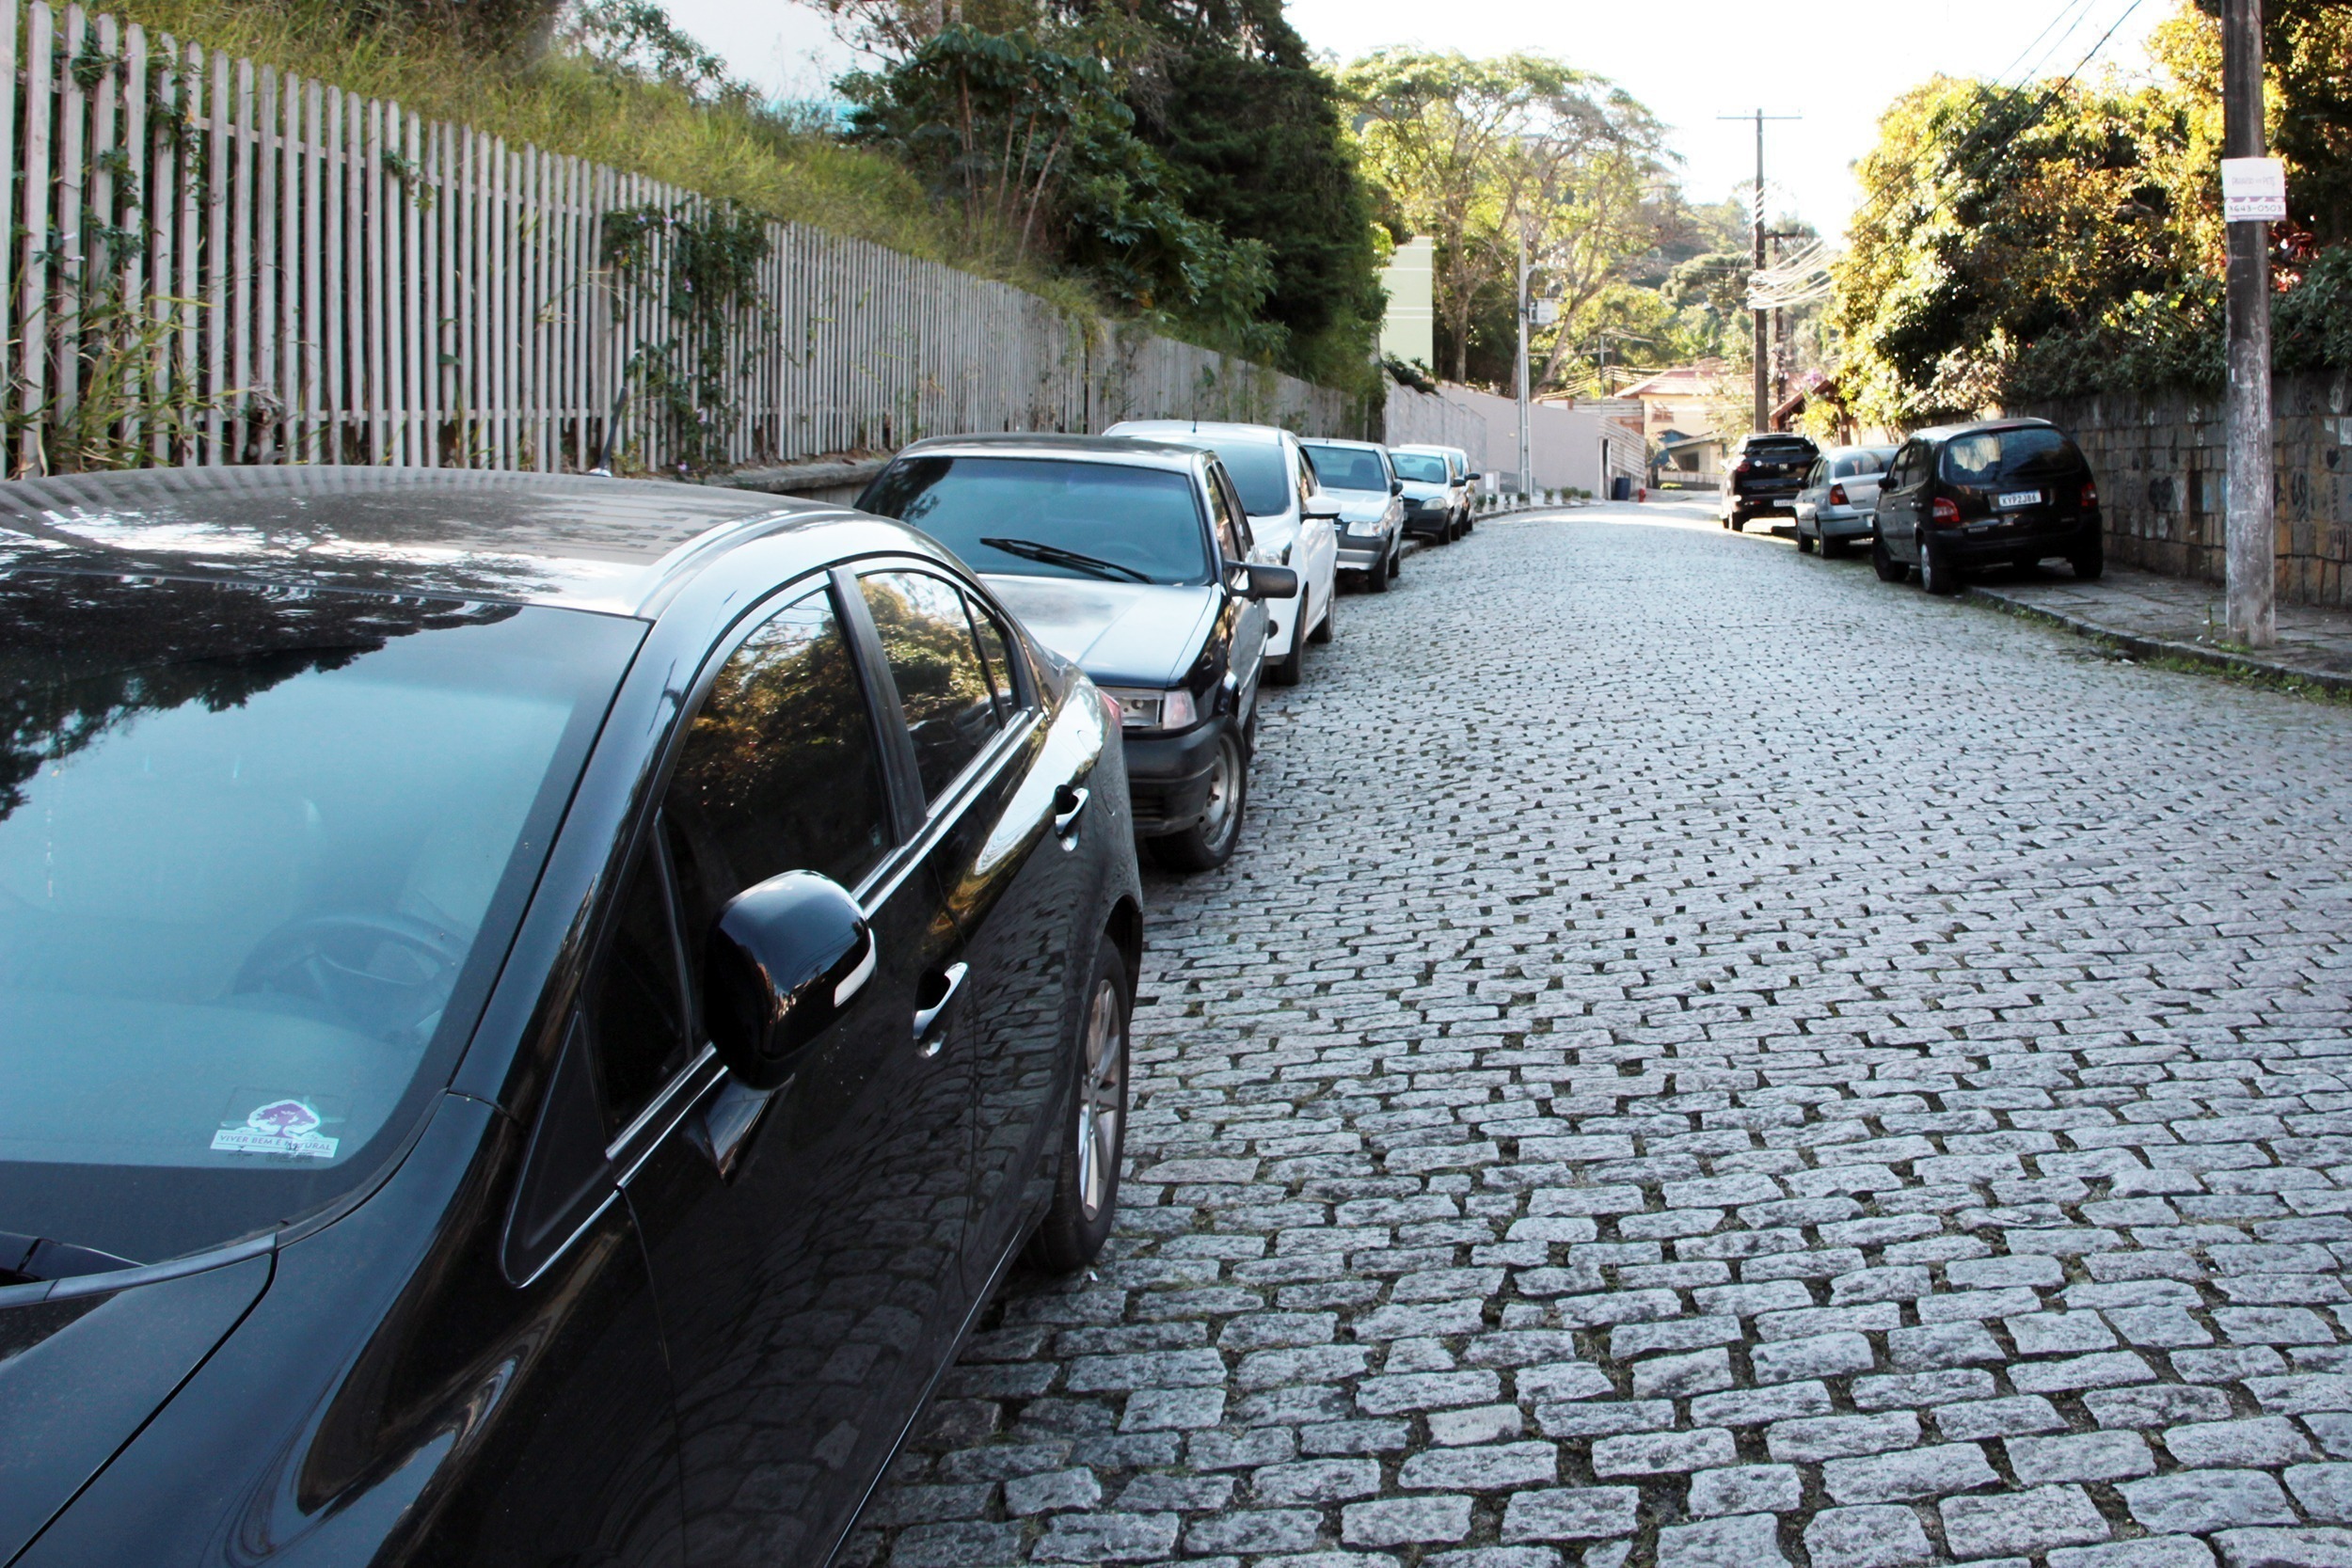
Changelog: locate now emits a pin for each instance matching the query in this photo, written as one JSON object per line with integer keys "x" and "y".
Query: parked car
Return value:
{"x": 1371, "y": 507}
{"x": 1999, "y": 491}
{"x": 1134, "y": 560}
{"x": 1841, "y": 491}
{"x": 1767, "y": 470}
{"x": 447, "y": 914}
{"x": 1436, "y": 493}
{"x": 1293, "y": 524}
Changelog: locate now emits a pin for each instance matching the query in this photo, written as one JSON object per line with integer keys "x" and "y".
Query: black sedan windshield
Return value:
{"x": 260, "y": 851}
{"x": 1052, "y": 517}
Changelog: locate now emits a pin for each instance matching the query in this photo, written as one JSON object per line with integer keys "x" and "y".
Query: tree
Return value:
{"x": 2003, "y": 225}
{"x": 1479, "y": 154}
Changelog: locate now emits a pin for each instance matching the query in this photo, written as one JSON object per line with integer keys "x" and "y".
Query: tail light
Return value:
{"x": 1746, "y": 467}
{"x": 2090, "y": 495}
{"x": 1946, "y": 511}
{"x": 1838, "y": 494}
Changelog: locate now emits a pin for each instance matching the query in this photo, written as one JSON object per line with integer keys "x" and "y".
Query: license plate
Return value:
{"x": 2019, "y": 498}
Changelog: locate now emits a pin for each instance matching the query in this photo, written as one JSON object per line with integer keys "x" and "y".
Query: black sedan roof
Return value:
{"x": 565, "y": 539}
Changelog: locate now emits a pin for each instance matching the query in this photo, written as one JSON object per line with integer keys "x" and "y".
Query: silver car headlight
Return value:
{"x": 1364, "y": 525}
{"x": 1144, "y": 710}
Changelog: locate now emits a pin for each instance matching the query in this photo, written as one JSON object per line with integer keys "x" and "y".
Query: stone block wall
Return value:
{"x": 2159, "y": 463}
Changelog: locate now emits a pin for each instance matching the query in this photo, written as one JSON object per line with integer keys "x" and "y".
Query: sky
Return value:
{"x": 1835, "y": 63}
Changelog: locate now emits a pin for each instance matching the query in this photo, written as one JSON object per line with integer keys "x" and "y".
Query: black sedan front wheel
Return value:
{"x": 1094, "y": 1135}
{"x": 1209, "y": 842}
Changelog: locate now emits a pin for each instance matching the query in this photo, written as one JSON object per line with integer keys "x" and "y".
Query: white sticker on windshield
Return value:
{"x": 283, "y": 1127}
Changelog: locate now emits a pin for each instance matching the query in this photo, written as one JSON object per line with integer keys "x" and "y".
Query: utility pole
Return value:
{"x": 1763, "y": 393}
{"x": 2250, "y": 524}
{"x": 1526, "y": 481}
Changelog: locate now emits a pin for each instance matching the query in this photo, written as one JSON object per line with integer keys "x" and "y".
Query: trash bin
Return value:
{"x": 1621, "y": 488}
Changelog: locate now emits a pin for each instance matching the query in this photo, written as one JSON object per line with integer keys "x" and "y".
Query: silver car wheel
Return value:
{"x": 1218, "y": 822}
{"x": 1100, "y": 1097}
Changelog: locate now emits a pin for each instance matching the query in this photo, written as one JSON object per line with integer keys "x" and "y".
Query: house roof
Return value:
{"x": 1679, "y": 381}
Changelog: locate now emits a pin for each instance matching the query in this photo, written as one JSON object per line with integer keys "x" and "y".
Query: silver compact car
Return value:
{"x": 1840, "y": 498}
{"x": 1371, "y": 507}
{"x": 1436, "y": 493}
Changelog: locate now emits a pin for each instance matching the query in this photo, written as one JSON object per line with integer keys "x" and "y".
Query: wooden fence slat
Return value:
{"x": 372, "y": 234}
{"x": 32, "y": 318}
{"x": 215, "y": 262}
{"x": 72, "y": 174}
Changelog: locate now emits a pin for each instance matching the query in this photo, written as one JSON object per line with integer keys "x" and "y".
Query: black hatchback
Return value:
{"x": 1999, "y": 492}
{"x": 533, "y": 1011}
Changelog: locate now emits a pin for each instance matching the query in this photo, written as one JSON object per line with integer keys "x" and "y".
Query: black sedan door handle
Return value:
{"x": 948, "y": 983}
{"x": 1069, "y": 803}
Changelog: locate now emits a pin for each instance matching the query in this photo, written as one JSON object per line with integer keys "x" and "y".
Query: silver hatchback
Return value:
{"x": 1840, "y": 498}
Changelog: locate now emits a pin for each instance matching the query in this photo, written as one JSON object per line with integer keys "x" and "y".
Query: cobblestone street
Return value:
{"x": 1705, "y": 1058}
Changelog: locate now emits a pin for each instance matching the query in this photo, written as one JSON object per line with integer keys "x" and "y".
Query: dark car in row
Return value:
{"x": 1994, "y": 493}
{"x": 533, "y": 1011}
{"x": 1767, "y": 471}
{"x": 1134, "y": 560}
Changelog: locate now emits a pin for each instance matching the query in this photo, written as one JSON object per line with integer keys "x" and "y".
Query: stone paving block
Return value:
{"x": 1172, "y": 1409}
{"x": 967, "y": 1545}
{"x": 2148, "y": 1551}
{"x": 1253, "y": 1531}
{"x": 1484, "y": 1423}
{"x": 1930, "y": 1472}
{"x": 1870, "y": 1536}
{"x": 1106, "y": 1537}
{"x": 2266, "y": 1440}
{"x": 1488, "y": 1468}
{"x": 2324, "y": 1490}
{"x": 1746, "y": 1489}
{"x": 1739, "y": 1540}
{"x": 1672, "y": 1376}
{"x": 1822, "y": 1356}
{"x": 1052, "y": 1491}
{"x": 1405, "y": 1521}
{"x": 2161, "y": 1405}
{"x": 1807, "y": 1441}
{"x": 2310, "y": 1547}
{"x": 2086, "y": 1456}
{"x": 1739, "y": 1407}
{"x": 2194, "y": 1501}
{"x": 2028, "y": 1520}
{"x": 1571, "y": 1514}
{"x": 1662, "y": 1452}
{"x": 1315, "y": 1481}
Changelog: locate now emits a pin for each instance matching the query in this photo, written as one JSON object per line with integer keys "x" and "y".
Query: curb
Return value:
{"x": 2163, "y": 647}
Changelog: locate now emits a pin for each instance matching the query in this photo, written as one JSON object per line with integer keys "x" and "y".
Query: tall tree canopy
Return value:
{"x": 1481, "y": 156}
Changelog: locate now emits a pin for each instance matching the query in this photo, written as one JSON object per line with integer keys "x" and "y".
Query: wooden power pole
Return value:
{"x": 2250, "y": 520}
{"x": 1763, "y": 346}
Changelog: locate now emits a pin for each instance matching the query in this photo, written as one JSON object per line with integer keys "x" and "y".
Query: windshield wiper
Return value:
{"x": 1053, "y": 555}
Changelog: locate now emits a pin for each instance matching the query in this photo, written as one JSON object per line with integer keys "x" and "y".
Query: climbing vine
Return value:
{"x": 700, "y": 261}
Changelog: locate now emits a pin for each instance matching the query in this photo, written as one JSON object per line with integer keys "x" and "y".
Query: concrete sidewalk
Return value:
{"x": 2165, "y": 617}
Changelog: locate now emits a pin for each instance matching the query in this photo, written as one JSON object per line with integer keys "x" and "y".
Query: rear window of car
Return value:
{"x": 1778, "y": 452}
{"x": 1860, "y": 464}
{"x": 1992, "y": 456}
{"x": 1033, "y": 517}
{"x": 1420, "y": 466}
{"x": 1347, "y": 468}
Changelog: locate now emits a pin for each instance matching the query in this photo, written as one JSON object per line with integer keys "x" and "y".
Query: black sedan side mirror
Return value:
{"x": 1396, "y": 487}
{"x": 1254, "y": 581}
{"x": 785, "y": 960}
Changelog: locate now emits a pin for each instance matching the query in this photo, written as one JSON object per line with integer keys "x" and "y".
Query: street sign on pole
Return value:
{"x": 2253, "y": 190}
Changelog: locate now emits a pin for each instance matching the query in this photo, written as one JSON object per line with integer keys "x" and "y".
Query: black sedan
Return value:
{"x": 1998, "y": 492}
{"x": 533, "y": 1011}
{"x": 1135, "y": 558}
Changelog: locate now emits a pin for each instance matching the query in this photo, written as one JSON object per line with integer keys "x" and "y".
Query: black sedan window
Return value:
{"x": 1023, "y": 516}
{"x": 252, "y": 842}
{"x": 780, "y": 772}
{"x": 943, "y": 683}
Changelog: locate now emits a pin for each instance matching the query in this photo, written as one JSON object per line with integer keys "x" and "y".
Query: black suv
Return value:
{"x": 1767, "y": 468}
{"x": 2001, "y": 491}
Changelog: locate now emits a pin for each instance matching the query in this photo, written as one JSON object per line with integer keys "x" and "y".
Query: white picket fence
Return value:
{"x": 219, "y": 262}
